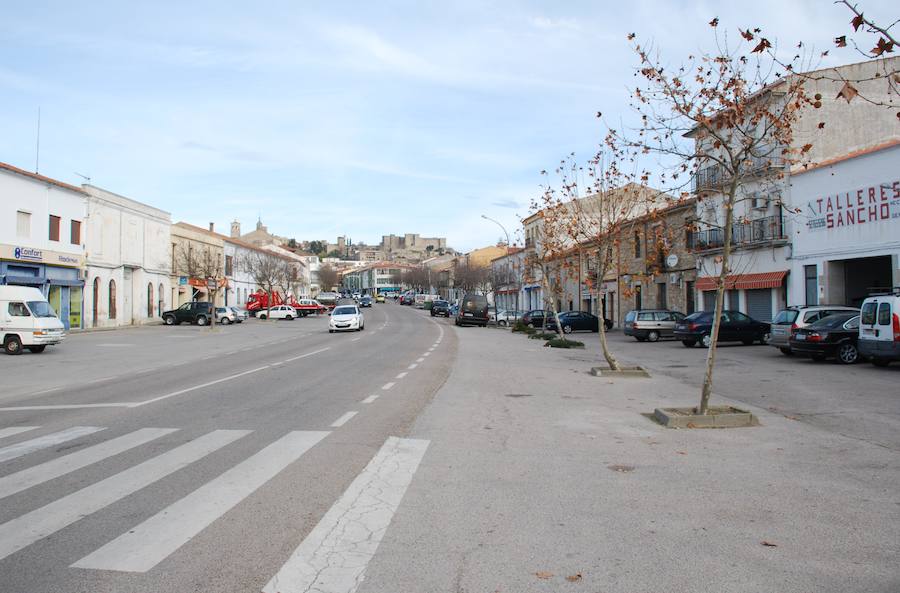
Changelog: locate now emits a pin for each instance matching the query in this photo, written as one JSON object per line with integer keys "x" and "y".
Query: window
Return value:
{"x": 884, "y": 314}
{"x": 661, "y": 296}
{"x": 54, "y": 228}
{"x": 738, "y": 317}
{"x": 867, "y": 316}
{"x": 161, "y": 306}
{"x": 637, "y": 297}
{"x": 23, "y": 224}
{"x": 812, "y": 286}
{"x": 75, "y": 233}
{"x": 150, "y": 300}
{"x": 229, "y": 265}
{"x": 112, "y": 299}
{"x": 637, "y": 244}
{"x": 18, "y": 310}
{"x": 853, "y": 323}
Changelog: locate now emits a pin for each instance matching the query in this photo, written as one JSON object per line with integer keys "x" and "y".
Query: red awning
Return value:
{"x": 744, "y": 281}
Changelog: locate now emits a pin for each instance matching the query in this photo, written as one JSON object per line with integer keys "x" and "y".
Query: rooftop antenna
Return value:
{"x": 85, "y": 177}
{"x": 37, "y": 152}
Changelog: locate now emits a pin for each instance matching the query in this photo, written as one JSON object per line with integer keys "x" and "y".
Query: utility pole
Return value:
{"x": 508, "y": 245}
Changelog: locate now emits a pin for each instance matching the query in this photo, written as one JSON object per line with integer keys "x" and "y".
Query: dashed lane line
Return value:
{"x": 412, "y": 366}
{"x": 400, "y": 375}
{"x": 387, "y": 386}
{"x": 369, "y": 399}
{"x": 343, "y": 419}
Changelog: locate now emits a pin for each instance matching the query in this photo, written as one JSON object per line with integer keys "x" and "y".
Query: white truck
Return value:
{"x": 27, "y": 320}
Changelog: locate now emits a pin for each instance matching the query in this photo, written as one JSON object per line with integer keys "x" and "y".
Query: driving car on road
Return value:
{"x": 199, "y": 312}
{"x": 651, "y": 324}
{"x": 794, "y": 318}
{"x": 834, "y": 336}
{"x": 346, "y": 318}
{"x": 279, "y": 312}
{"x": 379, "y": 298}
{"x": 696, "y": 328}
{"x": 440, "y": 307}
{"x": 365, "y": 301}
{"x": 576, "y": 321}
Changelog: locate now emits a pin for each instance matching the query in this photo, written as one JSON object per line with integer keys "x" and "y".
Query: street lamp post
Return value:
{"x": 503, "y": 228}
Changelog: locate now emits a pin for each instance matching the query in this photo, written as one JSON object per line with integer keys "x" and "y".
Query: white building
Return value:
{"x": 848, "y": 243}
{"x": 241, "y": 283}
{"x": 41, "y": 238}
{"x": 303, "y": 290}
{"x": 128, "y": 271}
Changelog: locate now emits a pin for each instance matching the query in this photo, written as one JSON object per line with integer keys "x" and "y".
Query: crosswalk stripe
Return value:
{"x": 148, "y": 544}
{"x": 31, "y": 527}
{"x": 334, "y": 556}
{"x": 48, "y": 440}
{"x": 13, "y": 430}
{"x": 61, "y": 466}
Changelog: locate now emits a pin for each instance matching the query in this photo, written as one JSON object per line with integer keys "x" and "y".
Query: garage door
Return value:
{"x": 759, "y": 304}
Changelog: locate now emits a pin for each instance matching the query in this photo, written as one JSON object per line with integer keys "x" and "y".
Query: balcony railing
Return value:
{"x": 758, "y": 230}
{"x": 716, "y": 176}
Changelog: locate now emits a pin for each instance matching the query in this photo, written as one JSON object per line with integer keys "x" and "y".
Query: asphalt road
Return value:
{"x": 204, "y": 458}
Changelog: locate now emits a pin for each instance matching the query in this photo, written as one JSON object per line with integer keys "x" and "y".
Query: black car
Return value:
{"x": 473, "y": 310}
{"x": 440, "y": 308}
{"x": 535, "y": 317}
{"x": 576, "y": 321}
{"x": 735, "y": 327}
{"x": 365, "y": 301}
{"x": 198, "y": 312}
{"x": 832, "y": 337}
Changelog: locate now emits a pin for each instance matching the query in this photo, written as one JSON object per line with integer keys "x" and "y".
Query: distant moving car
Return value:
{"x": 240, "y": 314}
{"x": 346, "y": 318}
{"x": 651, "y": 324}
{"x": 279, "y": 312}
{"x": 508, "y": 316}
{"x": 440, "y": 307}
{"x": 834, "y": 336}
{"x": 473, "y": 310}
{"x": 199, "y": 312}
{"x": 879, "y": 328}
{"x": 408, "y": 298}
{"x": 793, "y": 318}
{"x": 379, "y": 298}
{"x": 735, "y": 327}
{"x": 535, "y": 317}
{"x": 576, "y": 321}
{"x": 365, "y": 301}
{"x": 225, "y": 316}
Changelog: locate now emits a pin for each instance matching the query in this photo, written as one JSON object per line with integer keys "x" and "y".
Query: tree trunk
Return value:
{"x": 720, "y": 301}
{"x": 212, "y": 307}
{"x": 604, "y": 345}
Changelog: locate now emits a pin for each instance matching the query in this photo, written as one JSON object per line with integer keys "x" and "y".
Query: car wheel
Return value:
{"x": 653, "y": 336}
{"x": 787, "y": 351}
{"x": 263, "y": 316}
{"x": 607, "y": 325}
{"x": 764, "y": 339}
{"x": 289, "y": 317}
{"x": 689, "y": 343}
{"x": 169, "y": 320}
{"x": 12, "y": 345}
{"x": 331, "y": 331}
{"x": 36, "y": 349}
{"x": 567, "y": 329}
{"x": 201, "y": 320}
{"x": 705, "y": 340}
{"x": 226, "y": 321}
{"x": 848, "y": 354}
{"x": 531, "y": 325}
{"x": 502, "y": 323}
{"x": 880, "y": 362}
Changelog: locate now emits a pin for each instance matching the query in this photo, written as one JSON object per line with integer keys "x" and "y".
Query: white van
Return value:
{"x": 27, "y": 320}
{"x": 421, "y": 299}
{"x": 879, "y": 328}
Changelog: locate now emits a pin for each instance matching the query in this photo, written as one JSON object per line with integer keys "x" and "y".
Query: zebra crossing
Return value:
{"x": 353, "y": 527}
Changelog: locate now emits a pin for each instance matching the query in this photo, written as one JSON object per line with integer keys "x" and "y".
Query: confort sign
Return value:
{"x": 40, "y": 256}
{"x": 862, "y": 206}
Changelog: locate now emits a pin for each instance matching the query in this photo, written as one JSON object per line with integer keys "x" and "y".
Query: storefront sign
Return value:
{"x": 863, "y": 206}
{"x": 40, "y": 256}
{"x": 182, "y": 280}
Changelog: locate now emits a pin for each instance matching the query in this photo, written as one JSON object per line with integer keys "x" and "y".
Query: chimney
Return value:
{"x": 212, "y": 227}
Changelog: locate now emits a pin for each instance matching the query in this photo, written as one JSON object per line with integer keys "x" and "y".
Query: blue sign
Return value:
{"x": 27, "y": 253}
{"x": 182, "y": 280}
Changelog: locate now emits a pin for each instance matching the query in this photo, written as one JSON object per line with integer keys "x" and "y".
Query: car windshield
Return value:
{"x": 441, "y": 303}
{"x": 786, "y": 317}
{"x": 345, "y": 311}
{"x": 41, "y": 309}
{"x": 832, "y": 321}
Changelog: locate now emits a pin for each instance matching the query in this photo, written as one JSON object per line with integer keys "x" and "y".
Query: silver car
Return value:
{"x": 649, "y": 325}
{"x": 225, "y": 315}
{"x": 794, "y": 318}
{"x": 240, "y": 314}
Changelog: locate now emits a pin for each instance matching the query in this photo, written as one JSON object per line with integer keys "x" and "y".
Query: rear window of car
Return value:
{"x": 786, "y": 317}
{"x": 831, "y": 321}
{"x": 630, "y": 315}
{"x": 867, "y": 316}
{"x": 699, "y": 316}
{"x": 884, "y": 314}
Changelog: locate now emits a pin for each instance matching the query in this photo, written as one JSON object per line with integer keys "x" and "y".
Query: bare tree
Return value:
{"x": 202, "y": 263}
{"x": 290, "y": 280}
{"x": 265, "y": 269}
{"x": 328, "y": 277}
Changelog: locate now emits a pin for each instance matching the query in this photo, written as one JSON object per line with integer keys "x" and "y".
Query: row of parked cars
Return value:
{"x": 846, "y": 334}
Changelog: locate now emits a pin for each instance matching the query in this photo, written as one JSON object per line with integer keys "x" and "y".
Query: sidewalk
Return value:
{"x": 538, "y": 472}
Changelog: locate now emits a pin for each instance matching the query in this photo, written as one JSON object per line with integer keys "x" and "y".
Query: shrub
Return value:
{"x": 561, "y": 343}
{"x": 543, "y": 336}
{"x": 521, "y": 327}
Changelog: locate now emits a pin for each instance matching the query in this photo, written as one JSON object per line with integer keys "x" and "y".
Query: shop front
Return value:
{"x": 848, "y": 246}
{"x": 760, "y": 295}
{"x": 57, "y": 275}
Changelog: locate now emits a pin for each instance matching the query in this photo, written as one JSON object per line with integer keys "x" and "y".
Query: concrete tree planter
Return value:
{"x": 625, "y": 372}
{"x": 718, "y": 417}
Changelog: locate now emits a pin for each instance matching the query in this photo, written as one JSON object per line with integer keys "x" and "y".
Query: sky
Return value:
{"x": 346, "y": 118}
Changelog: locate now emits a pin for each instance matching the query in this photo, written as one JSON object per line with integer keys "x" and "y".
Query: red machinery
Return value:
{"x": 259, "y": 301}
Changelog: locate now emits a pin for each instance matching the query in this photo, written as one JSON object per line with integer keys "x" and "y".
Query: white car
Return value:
{"x": 240, "y": 314}
{"x": 226, "y": 316}
{"x": 346, "y": 318}
{"x": 279, "y": 312}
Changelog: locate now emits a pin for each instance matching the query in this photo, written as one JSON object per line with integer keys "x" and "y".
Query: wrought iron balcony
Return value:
{"x": 717, "y": 176}
{"x": 745, "y": 233}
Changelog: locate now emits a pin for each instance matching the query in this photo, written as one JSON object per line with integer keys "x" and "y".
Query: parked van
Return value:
{"x": 27, "y": 320}
{"x": 879, "y": 328}
{"x": 473, "y": 309}
{"x": 421, "y": 299}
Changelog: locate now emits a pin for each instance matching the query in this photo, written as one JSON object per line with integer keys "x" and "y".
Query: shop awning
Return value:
{"x": 744, "y": 281}
{"x": 25, "y": 280}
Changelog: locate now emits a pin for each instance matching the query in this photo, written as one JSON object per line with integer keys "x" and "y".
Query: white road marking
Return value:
{"x": 343, "y": 419}
{"x": 427, "y": 354}
{"x": 46, "y": 391}
{"x": 400, "y": 375}
{"x": 13, "y": 430}
{"x": 369, "y": 399}
{"x": 307, "y": 354}
{"x": 196, "y": 387}
{"x": 67, "y": 407}
{"x": 276, "y": 364}
{"x": 334, "y": 556}
{"x": 39, "y": 523}
{"x": 148, "y": 544}
{"x": 387, "y": 386}
{"x": 420, "y": 360}
{"x": 412, "y": 366}
{"x": 355, "y": 340}
{"x": 48, "y": 440}
{"x": 100, "y": 380}
{"x": 66, "y": 464}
